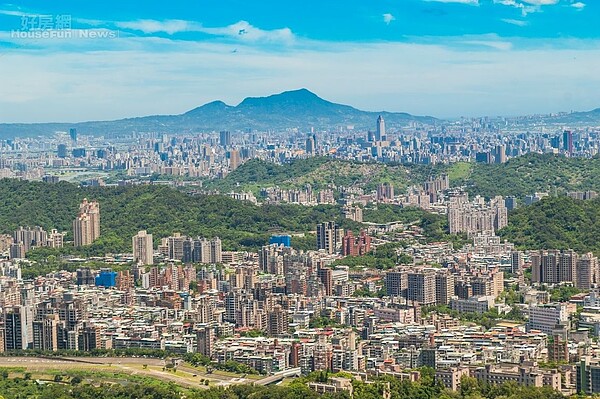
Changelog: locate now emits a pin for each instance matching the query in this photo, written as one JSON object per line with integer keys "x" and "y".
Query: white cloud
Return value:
{"x": 465, "y": 42}
{"x": 527, "y": 6}
{"x": 90, "y": 22}
{"x": 494, "y": 44}
{"x": 387, "y": 18}
{"x": 512, "y": 3}
{"x": 152, "y": 26}
{"x": 517, "y": 22}
{"x": 245, "y": 31}
{"x": 14, "y": 13}
{"x": 241, "y": 30}
{"x": 541, "y": 2}
{"x": 579, "y": 5}
{"x": 471, "y": 2}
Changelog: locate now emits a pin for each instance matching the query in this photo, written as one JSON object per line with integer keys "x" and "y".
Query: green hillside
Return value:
{"x": 518, "y": 177}
{"x": 160, "y": 210}
{"x": 534, "y": 172}
{"x": 556, "y": 223}
{"x": 259, "y": 173}
{"x": 321, "y": 172}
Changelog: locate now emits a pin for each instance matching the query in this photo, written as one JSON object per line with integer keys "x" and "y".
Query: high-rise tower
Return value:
{"x": 86, "y": 226}
{"x": 380, "y": 133}
{"x": 143, "y": 251}
{"x": 568, "y": 141}
{"x": 329, "y": 237}
{"x": 225, "y": 138}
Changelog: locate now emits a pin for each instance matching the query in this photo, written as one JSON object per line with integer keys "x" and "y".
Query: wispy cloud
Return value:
{"x": 527, "y": 6}
{"x": 579, "y": 5}
{"x": 14, "y": 13}
{"x": 153, "y": 26}
{"x": 494, "y": 44}
{"x": 470, "y": 2}
{"x": 541, "y": 2}
{"x": 388, "y": 18}
{"x": 517, "y": 22}
{"x": 241, "y": 30}
{"x": 486, "y": 42}
{"x": 418, "y": 78}
{"x": 246, "y": 31}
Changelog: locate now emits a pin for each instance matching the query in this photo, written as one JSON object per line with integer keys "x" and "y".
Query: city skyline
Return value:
{"x": 316, "y": 200}
{"x": 496, "y": 57}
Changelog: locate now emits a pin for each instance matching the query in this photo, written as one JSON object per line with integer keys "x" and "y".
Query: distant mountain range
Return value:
{"x": 291, "y": 109}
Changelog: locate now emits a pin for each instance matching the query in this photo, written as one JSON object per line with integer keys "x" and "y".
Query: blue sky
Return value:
{"x": 445, "y": 58}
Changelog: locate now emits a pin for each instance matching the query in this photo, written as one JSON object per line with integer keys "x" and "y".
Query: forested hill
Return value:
{"x": 531, "y": 173}
{"x": 160, "y": 210}
{"x": 519, "y": 176}
{"x": 556, "y": 223}
{"x": 261, "y": 173}
{"x": 321, "y": 172}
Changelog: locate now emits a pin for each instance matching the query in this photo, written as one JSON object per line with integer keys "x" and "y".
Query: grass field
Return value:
{"x": 460, "y": 170}
{"x": 116, "y": 370}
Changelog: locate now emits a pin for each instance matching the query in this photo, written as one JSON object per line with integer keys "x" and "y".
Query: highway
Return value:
{"x": 295, "y": 372}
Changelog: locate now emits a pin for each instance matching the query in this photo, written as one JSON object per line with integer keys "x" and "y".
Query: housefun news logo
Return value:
{"x": 57, "y": 27}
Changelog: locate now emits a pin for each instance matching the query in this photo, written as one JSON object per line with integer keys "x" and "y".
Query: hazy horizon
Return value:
{"x": 442, "y": 117}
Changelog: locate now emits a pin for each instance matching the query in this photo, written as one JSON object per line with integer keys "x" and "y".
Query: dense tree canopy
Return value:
{"x": 160, "y": 210}
{"x": 321, "y": 172}
{"x": 556, "y": 223}
{"x": 518, "y": 177}
{"x": 521, "y": 176}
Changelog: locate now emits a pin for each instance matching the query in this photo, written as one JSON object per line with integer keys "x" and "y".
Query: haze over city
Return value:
{"x": 445, "y": 58}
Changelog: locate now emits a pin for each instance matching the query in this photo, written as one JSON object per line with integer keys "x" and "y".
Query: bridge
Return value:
{"x": 280, "y": 375}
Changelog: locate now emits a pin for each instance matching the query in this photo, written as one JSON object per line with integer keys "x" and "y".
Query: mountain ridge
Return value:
{"x": 300, "y": 108}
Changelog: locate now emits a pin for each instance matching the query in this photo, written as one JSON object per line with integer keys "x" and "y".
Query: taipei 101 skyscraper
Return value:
{"x": 380, "y": 134}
